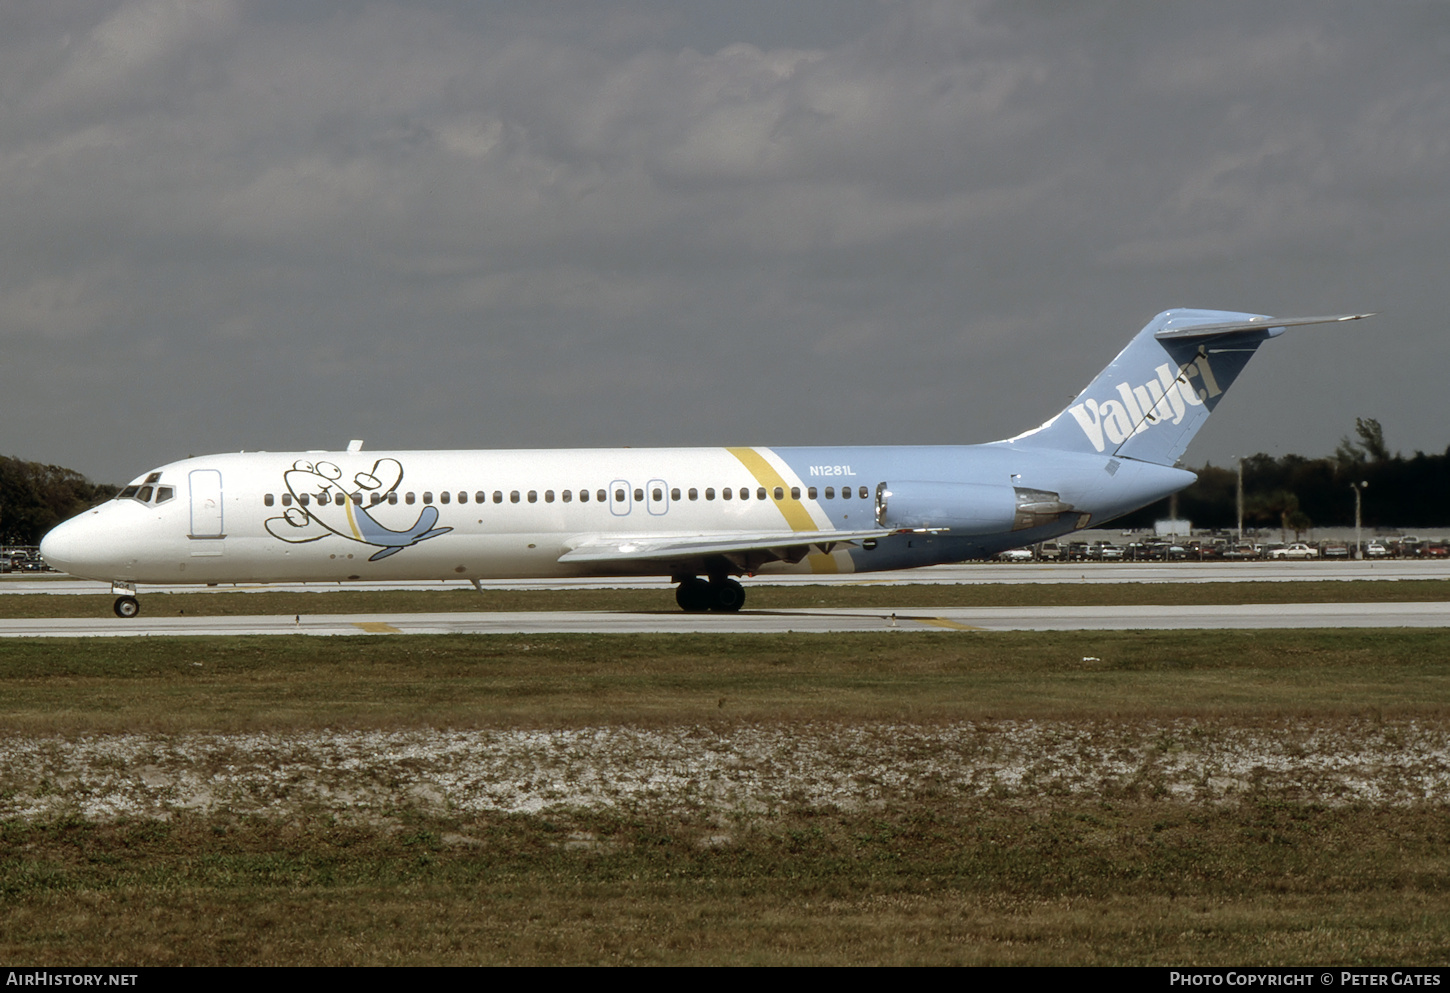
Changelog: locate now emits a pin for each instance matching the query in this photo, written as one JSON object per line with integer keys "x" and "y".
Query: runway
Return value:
{"x": 972, "y": 573}
{"x": 817, "y": 621}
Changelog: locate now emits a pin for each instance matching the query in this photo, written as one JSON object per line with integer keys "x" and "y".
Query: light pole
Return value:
{"x": 1358, "y": 489}
{"x": 1240, "y": 499}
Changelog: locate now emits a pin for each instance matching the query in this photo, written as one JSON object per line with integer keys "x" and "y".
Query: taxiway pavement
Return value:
{"x": 822, "y": 621}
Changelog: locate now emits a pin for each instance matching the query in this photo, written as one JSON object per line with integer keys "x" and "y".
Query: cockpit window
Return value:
{"x": 164, "y": 493}
{"x": 127, "y": 493}
{"x": 144, "y": 494}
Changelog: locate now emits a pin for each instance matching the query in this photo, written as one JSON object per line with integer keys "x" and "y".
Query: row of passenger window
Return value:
{"x": 657, "y": 495}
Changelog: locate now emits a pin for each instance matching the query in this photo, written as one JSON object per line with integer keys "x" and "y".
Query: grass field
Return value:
{"x": 1054, "y": 798}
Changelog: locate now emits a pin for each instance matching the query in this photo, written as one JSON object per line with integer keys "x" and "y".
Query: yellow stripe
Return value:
{"x": 942, "y": 622}
{"x": 794, "y": 511}
{"x": 823, "y": 563}
{"x": 376, "y": 627}
{"x": 350, "y": 522}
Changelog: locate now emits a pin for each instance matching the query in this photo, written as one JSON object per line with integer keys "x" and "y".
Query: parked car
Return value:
{"x": 1297, "y": 550}
{"x": 1334, "y": 550}
{"x": 1015, "y": 555}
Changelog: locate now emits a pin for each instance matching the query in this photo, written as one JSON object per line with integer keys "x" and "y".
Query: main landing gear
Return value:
{"x": 126, "y": 604}
{"x": 721, "y": 594}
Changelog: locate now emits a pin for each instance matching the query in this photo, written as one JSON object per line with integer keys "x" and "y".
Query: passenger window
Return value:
{"x": 393, "y": 498}
{"x": 862, "y": 493}
{"x": 286, "y": 499}
{"x": 302, "y": 499}
{"x": 462, "y": 497}
{"x": 601, "y": 496}
{"x": 427, "y": 496}
{"x": 795, "y": 492}
{"x": 548, "y": 496}
{"x": 567, "y": 495}
{"x": 583, "y": 496}
{"x": 533, "y": 496}
{"x": 638, "y": 494}
{"x": 658, "y": 494}
{"x": 694, "y": 494}
{"x": 443, "y": 497}
{"x": 830, "y": 493}
{"x": 498, "y": 496}
{"x": 357, "y": 499}
{"x": 267, "y": 500}
{"x": 845, "y": 492}
{"x": 619, "y": 496}
{"x": 811, "y": 492}
{"x": 760, "y": 493}
{"x": 709, "y": 493}
{"x": 375, "y": 499}
{"x": 675, "y": 493}
{"x": 479, "y": 497}
{"x": 724, "y": 494}
{"x": 780, "y": 493}
{"x": 513, "y": 496}
{"x": 408, "y": 498}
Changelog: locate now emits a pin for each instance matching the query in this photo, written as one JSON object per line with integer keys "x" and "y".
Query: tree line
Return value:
{"x": 1298, "y": 493}
{"x": 35, "y": 497}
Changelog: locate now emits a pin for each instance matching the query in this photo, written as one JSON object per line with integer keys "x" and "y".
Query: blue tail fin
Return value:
{"x": 1151, "y": 400}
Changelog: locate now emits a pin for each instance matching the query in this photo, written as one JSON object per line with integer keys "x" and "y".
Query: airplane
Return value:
{"x": 702, "y": 516}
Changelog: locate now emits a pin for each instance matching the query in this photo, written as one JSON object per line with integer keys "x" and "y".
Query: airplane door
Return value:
{"x": 619, "y": 497}
{"x": 658, "y": 495}
{"x": 206, "y": 507}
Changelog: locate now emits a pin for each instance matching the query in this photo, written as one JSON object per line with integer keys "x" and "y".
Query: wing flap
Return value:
{"x": 778, "y": 545}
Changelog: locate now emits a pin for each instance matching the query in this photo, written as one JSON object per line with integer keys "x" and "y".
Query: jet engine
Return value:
{"x": 966, "y": 508}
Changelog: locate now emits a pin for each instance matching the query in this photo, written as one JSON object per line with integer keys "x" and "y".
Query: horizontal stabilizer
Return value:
{"x": 1181, "y": 332}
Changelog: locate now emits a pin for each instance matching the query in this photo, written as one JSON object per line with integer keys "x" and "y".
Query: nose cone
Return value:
{"x": 79, "y": 547}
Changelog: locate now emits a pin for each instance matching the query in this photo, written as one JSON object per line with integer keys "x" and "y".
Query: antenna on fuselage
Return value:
{"x": 355, "y": 445}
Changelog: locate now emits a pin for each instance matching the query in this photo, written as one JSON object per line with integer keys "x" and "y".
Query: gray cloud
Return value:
{"x": 247, "y": 225}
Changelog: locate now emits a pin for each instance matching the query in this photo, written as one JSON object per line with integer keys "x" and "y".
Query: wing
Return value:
{"x": 741, "y": 551}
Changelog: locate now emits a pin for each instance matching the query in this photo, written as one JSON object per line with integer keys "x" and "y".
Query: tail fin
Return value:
{"x": 1151, "y": 400}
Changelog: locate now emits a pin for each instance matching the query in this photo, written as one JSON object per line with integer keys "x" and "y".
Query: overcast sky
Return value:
{"x": 232, "y": 225}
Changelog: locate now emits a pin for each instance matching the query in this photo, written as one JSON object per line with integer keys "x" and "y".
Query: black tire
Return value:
{"x": 127, "y": 606}
{"x": 729, "y": 596}
{"x": 694, "y": 596}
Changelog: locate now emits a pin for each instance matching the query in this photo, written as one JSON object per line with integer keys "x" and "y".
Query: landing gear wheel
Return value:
{"x": 127, "y": 606}
{"x": 694, "y": 596}
{"x": 729, "y": 596}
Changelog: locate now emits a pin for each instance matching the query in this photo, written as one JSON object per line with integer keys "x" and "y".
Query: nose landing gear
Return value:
{"x": 126, "y": 604}
{"x": 721, "y": 594}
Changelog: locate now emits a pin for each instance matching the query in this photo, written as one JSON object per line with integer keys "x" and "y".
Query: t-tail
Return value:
{"x": 1151, "y": 400}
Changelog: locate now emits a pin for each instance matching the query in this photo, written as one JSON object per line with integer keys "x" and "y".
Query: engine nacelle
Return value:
{"x": 966, "y": 508}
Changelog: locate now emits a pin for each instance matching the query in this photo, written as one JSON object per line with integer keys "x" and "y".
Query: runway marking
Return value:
{"x": 942, "y": 622}
{"x": 377, "y": 627}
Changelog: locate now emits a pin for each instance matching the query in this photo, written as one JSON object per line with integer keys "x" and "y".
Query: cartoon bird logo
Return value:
{"x": 322, "y": 506}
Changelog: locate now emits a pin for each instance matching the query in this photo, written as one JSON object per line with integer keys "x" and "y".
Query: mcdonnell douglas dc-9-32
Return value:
{"x": 701, "y": 516}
